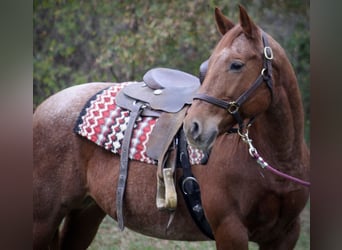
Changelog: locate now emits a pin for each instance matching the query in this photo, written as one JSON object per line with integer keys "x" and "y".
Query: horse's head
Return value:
{"x": 237, "y": 85}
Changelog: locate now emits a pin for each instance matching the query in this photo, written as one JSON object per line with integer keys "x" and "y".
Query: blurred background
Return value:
{"x": 115, "y": 41}
{"x": 75, "y": 42}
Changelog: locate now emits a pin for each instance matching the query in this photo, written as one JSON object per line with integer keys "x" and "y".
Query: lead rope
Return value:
{"x": 263, "y": 164}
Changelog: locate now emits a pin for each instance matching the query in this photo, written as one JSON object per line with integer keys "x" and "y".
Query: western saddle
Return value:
{"x": 163, "y": 93}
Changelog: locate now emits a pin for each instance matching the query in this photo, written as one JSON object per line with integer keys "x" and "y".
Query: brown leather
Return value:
{"x": 163, "y": 89}
{"x": 168, "y": 100}
{"x": 166, "y": 189}
{"x": 161, "y": 147}
{"x": 166, "y": 197}
{"x": 163, "y": 133}
{"x": 203, "y": 70}
{"x": 128, "y": 103}
{"x": 165, "y": 78}
{"x": 124, "y": 163}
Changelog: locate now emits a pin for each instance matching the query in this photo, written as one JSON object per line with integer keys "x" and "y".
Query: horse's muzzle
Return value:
{"x": 200, "y": 135}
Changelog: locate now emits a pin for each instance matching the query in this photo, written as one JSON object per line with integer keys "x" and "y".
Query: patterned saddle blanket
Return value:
{"x": 104, "y": 123}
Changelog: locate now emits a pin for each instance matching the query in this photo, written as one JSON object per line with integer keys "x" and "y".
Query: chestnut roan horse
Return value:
{"x": 74, "y": 181}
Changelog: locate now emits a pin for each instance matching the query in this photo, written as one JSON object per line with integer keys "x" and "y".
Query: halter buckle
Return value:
{"x": 268, "y": 53}
{"x": 233, "y": 108}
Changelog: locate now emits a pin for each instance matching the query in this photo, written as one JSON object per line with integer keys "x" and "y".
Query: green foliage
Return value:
{"x": 83, "y": 41}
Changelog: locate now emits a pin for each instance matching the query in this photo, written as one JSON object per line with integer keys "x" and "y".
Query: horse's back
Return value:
{"x": 54, "y": 119}
{"x": 54, "y": 143}
{"x": 67, "y": 103}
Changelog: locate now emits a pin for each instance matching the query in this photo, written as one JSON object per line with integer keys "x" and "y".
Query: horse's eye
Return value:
{"x": 236, "y": 66}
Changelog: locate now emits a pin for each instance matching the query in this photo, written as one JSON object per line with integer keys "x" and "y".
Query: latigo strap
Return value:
{"x": 135, "y": 113}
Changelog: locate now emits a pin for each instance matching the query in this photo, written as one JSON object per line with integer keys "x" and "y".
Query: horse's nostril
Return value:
{"x": 195, "y": 130}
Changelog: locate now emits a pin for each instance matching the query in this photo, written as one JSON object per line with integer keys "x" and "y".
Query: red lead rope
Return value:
{"x": 254, "y": 153}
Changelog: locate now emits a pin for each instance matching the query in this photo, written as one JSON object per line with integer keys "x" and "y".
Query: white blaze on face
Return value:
{"x": 235, "y": 52}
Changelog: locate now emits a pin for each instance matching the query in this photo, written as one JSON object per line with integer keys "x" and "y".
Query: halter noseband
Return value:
{"x": 233, "y": 106}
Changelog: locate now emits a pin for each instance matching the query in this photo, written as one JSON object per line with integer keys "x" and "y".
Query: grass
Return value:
{"x": 109, "y": 237}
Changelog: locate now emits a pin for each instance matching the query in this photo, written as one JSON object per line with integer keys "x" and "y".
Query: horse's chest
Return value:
{"x": 272, "y": 213}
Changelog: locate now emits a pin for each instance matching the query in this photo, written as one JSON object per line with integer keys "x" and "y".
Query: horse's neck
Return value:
{"x": 281, "y": 128}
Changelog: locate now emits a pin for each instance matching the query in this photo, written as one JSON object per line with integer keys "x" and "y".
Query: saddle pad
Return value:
{"x": 104, "y": 123}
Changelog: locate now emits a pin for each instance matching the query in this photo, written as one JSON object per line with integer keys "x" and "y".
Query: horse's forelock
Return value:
{"x": 229, "y": 40}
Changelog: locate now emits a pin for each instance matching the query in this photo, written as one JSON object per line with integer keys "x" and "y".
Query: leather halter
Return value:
{"x": 232, "y": 107}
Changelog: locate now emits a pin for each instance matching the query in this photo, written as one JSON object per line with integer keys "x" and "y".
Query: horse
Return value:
{"x": 74, "y": 180}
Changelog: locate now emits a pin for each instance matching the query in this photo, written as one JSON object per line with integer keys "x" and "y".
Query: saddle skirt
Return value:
{"x": 103, "y": 122}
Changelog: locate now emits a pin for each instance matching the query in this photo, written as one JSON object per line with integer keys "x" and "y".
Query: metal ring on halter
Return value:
{"x": 243, "y": 135}
{"x": 187, "y": 179}
{"x": 233, "y": 108}
{"x": 263, "y": 72}
{"x": 268, "y": 53}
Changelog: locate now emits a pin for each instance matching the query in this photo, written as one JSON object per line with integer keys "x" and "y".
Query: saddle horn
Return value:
{"x": 203, "y": 70}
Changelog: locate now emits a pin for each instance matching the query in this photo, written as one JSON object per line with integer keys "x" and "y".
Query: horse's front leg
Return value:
{"x": 285, "y": 241}
{"x": 231, "y": 234}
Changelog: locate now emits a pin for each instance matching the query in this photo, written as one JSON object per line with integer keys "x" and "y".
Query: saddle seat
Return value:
{"x": 162, "y": 89}
{"x": 166, "y": 78}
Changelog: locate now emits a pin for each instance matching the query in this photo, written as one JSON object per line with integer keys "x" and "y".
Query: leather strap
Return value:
{"x": 135, "y": 113}
{"x": 191, "y": 189}
{"x": 164, "y": 132}
{"x": 161, "y": 147}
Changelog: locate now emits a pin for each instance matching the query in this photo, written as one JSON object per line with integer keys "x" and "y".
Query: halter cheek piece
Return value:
{"x": 233, "y": 107}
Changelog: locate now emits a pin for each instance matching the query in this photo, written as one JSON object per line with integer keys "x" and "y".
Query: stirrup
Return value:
{"x": 170, "y": 190}
{"x": 160, "y": 198}
{"x": 166, "y": 191}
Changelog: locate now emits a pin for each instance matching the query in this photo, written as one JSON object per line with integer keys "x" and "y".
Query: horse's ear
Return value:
{"x": 222, "y": 22}
{"x": 248, "y": 26}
